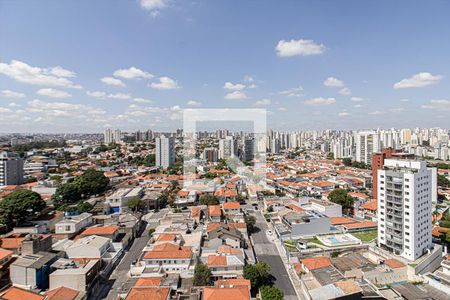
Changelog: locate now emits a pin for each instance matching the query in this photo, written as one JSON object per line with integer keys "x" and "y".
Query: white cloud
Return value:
{"x": 263, "y": 102}
{"x": 193, "y": 103}
{"x": 12, "y": 94}
{"x": 112, "y": 81}
{"x": 419, "y": 80}
{"x": 377, "y": 112}
{"x": 404, "y": 100}
{"x": 320, "y": 101}
{"x": 333, "y": 82}
{"x": 22, "y": 72}
{"x": 236, "y": 95}
{"x": 357, "y": 99}
{"x": 62, "y": 109}
{"x": 437, "y": 104}
{"x": 282, "y": 109}
{"x": 120, "y": 96}
{"x": 132, "y": 73}
{"x": 142, "y": 100}
{"x": 13, "y": 104}
{"x": 103, "y": 95}
{"x": 165, "y": 83}
{"x": 294, "y": 92}
{"x": 154, "y": 6}
{"x": 345, "y": 92}
{"x": 49, "y": 92}
{"x": 343, "y": 114}
{"x": 97, "y": 94}
{"x": 233, "y": 87}
{"x": 359, "y": 105}
{"x": 4, "y": 110}
{"x": 397, "y": 109}
{"x": 248, "y": 78}
{"x": 298, "y": 47}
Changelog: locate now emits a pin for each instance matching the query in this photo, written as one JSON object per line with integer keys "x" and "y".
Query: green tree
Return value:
{"x": 347, "y": 162}
{"x": 271, "y": 293}
{"x": 83, "y": 206}
{"x": 18, "y": 206}
{"x": 250, "y": 221}
{"x": 258, "y": 274}
{"x": 66, "y": 193}
{"x": 163, "y": 200}
{"x": 341, "y": 197}
{"x": 92, "y": 182}
{"x": 202, "y": 275}
{"x": 207, "y": 199}
{"x": 135, "y": 203}
{"x": 330, "y": 156}
{"x": 443, "y": 181}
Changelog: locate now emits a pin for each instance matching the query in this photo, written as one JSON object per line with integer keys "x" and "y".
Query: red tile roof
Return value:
{"x": 235, "y": 293}
{"x": 147, "y": 293}
{"x": 312, "y": 263}
{"x": 231, "y": 205}
{"x": 14, "y": 293}
{"x": 214, "y": 210}
{"x": 370, "y": 205}
{"x": 394, "y": 264}
{"x": 148, "y": 281}
{"x": 169, "y": 251}
{"x": 217, "y": 260}
{"x": 101, "y": 230}
{"x": 62, "y": 293}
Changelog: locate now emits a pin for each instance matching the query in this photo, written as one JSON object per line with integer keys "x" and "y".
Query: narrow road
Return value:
{"x": 267, "y": 252}
{"x": 119, "y": 275}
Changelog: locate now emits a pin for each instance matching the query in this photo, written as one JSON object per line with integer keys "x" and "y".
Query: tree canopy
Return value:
{"x": 258, "y": 274}
{"x": 91, "y": 182}
{"x": 443, "y": 181}
{"x": 202, "y": 275}
{"x": 209, "y": 200}
{"x": 271, "y": 293}
{"x": 341, "y": 197}
{"x": 19, "y": 205}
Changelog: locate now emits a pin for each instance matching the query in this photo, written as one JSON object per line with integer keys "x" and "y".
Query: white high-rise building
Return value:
{"x": 165, "y": 151}
{"x": 227, "y": 147}
{"x": 11, "y": 169}
{"x": 364, "y": 146}
{"x": 112, "y": 136}
{"x": 406, "y": 190}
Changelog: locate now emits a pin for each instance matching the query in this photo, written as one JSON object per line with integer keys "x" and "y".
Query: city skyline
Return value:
{"x": 314, "y": 65}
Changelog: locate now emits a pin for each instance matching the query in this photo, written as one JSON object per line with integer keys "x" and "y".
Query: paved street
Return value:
{"x": 267, "y": 252}
{"x": 119, "y": 275}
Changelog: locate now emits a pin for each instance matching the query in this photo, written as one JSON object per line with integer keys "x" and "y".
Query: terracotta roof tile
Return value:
{"x": 235, "y": 293}
{"x": 312, "y": 263}
{"x": 146, "y": 293}
{"x": 62, "y": 293}
{"x": 14, "y": 293}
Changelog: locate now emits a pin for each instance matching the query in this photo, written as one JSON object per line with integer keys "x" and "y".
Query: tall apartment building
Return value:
{"x": 248, "y": 150}
{"x": 165, "y": 151}
{"x": 364, "y": 146}
{"x": 210, "y": 154}
{"x": 112, "y": 136}
{"x": 406, "y": 190}
{"x": 377, "y": 164}
{"x": 227, "y": 147}
{"x": 11, "y": 169}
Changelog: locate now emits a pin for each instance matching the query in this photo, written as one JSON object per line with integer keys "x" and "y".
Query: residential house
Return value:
{"x": 32, "y": 271}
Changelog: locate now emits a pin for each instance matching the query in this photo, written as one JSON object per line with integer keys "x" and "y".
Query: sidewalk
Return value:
{"x": 290, "y": 270}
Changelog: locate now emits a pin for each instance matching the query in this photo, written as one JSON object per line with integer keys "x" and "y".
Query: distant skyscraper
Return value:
{"x": 11, "y": 169}
{"x": 165, "y": 151}
{"x": 406, "y": 190}
{"x": 112, "y": 137}
{"x": 275, "y": 146}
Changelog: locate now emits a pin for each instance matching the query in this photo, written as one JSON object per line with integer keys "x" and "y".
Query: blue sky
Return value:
{"x": 311, "y": 64}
